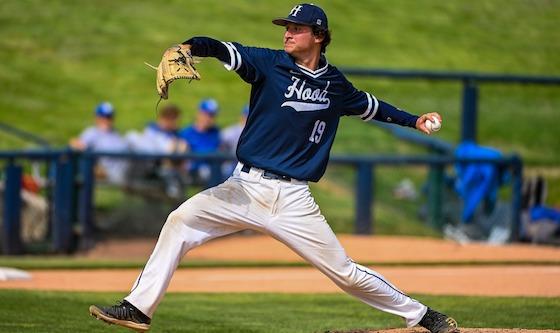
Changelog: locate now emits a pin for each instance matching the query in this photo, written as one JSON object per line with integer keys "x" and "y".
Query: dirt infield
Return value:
{"x": 541, "y": 281}
{"x": 361, "y": 248}
{"x": 485, "y": 280}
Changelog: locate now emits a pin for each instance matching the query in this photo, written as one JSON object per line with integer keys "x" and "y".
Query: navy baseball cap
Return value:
{"x": 209, "y": 106}
{"x": 105, "y": 110}
{"x": 306, "y": 14}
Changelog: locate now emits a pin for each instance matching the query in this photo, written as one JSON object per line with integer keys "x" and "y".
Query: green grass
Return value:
{"x": 33, "y": 311}
{"x": 59, "y": 58}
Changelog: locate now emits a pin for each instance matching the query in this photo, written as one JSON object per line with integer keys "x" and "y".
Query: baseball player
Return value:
{"x": 296, "y": 101}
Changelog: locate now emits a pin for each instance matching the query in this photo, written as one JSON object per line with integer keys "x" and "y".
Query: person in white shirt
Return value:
{"x": 103, "y": 137}
{"x": 230, "y": 137}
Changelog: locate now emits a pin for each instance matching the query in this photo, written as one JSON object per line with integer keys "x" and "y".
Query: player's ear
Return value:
{"x": 319, "y": 36}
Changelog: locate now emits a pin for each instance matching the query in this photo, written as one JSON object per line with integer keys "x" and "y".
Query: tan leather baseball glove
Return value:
{"x": 176, "y": 63}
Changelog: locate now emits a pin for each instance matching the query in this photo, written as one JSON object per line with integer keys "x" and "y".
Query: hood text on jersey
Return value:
{"x": 307, "y": 99}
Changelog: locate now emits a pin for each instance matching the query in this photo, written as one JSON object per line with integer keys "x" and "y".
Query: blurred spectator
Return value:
{"x": 161, "y": 137}
{"x": 202, "y": 137}
{"x": 230, "y": 137}
{"x": 104, "y": 137}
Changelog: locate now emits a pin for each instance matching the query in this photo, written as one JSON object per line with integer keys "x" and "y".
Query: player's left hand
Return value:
{"x": 421, "y": 122}
{"x": 176, "y": 63}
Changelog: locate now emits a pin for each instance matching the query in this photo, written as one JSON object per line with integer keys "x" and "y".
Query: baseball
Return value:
{"x": 433, "y": 125}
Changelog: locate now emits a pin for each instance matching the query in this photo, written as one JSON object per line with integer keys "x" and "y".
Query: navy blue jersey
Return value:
{"x": 294, "y": 111}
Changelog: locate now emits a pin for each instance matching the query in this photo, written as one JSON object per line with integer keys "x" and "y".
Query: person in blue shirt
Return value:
{"x": 297, "y": 98}
{"x": 202, "y": 137}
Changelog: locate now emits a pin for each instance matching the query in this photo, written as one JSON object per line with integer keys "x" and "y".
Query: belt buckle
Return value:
{"x": 285, "y": 178}
{"x": 270, "y": 175}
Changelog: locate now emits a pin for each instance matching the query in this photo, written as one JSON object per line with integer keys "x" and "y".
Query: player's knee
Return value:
{"x": 182, "y": 213}
{"x": 173, "y": 218}
{"x": 174, "y": 222}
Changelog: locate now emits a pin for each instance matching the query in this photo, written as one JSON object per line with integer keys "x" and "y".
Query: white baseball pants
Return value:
{"x": 281, "y": 209}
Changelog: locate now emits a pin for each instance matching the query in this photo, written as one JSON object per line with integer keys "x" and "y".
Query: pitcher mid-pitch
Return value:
{"x": 297, "y": 99}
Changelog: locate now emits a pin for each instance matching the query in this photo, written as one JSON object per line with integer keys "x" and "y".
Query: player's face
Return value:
{"x": 205, "y": 121}
{"x": 104, "y": 123}
{"x": 299, "y": 39}
{"x": 168, "y": 123}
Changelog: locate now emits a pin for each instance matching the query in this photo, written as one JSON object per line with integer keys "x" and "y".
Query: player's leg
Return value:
{"x": 301, "y": 227}
{"x": 212, "y": 213}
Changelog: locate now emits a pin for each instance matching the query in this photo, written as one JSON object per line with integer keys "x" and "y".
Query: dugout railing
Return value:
{"x": 470, "y": 87}
{"x": 72, "y": 184}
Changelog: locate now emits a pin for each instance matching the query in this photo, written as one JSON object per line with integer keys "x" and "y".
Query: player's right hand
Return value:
{"x": 421, "y": 122}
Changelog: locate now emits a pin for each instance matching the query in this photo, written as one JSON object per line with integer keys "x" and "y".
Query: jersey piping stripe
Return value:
{"x": 370, "y": 112}
{"x": 237, "y": 55}
{"x": 314, "y": 74}
{"x": 138, "y": 281}
{"x": 375, "y": 107}
{"x": 232, "y": 58}
{"x": 380, "y": 278}
{"x": 366, "y": 112}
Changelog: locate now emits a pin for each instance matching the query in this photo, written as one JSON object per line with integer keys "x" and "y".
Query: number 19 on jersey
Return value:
{"x": 317, "y": 132}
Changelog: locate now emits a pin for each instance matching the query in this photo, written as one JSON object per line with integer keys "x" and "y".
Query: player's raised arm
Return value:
{"x": 209, "y": 47}
{"x": 250, "y": 63}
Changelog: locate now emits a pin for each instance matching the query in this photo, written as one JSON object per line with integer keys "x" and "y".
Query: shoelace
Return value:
{"x": 121, "y": 311}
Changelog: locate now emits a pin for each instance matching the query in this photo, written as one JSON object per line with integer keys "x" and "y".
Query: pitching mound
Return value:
{"x": 463, "y": 330}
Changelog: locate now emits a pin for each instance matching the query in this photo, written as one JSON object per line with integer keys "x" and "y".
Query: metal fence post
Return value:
{"x": 85, "y": 200}
{"x": 516, "y": 193}
{"x": 469, "y": 114}
{"x": 365, "y": 182}
{"x": 63, "y": 204}
{"x": 11, "y": 242}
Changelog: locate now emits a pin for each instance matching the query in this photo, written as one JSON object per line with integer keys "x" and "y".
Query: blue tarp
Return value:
{"x": 476, "y": 181}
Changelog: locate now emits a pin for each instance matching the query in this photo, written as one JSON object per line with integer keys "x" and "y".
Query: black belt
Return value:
{"x": 267, "y": 174}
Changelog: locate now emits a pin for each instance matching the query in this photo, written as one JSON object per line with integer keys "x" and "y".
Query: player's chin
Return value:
{"x": 289, "y": 48}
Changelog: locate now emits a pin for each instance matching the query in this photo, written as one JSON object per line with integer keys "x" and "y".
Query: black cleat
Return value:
{"x": 123, "y": 314}
{"x": 437, "y": 322}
